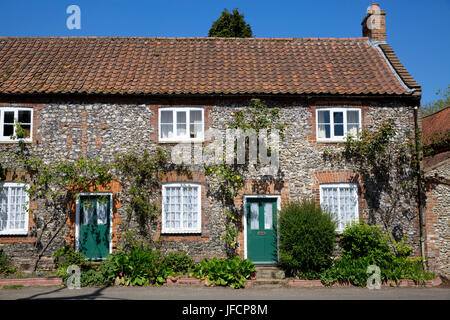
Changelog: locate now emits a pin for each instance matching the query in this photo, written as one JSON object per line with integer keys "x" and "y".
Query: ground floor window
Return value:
{"x": 13, "y": 208}
{"x": 181, "y": 208}
{"x": 341, "y": 200}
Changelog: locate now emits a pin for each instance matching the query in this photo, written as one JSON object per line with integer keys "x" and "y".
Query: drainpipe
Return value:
{"x": 419, "y": 184}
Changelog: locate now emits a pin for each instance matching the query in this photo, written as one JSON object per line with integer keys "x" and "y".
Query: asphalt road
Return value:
{"x": 202, "y": 293}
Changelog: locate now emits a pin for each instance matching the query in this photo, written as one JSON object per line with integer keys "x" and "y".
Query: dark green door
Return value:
{"x": 261, "y": 230}
{"x": 94, "y": 226}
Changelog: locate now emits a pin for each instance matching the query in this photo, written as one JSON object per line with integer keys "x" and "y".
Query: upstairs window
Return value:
{"x": 13, "y": 209}
{"x": 181, "y": 124}
{"x": 9, "y": 117}
{"x": 335, "y": 124}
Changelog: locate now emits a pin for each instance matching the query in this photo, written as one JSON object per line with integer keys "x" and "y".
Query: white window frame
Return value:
{"x": 16, "y": 117}
{"x": 23, "y": 231}
{"x": 332, "y": 137}
{"x": 198, "y": 229}
{"x": 185, "y": 138}
{"x": 353, "y": 186}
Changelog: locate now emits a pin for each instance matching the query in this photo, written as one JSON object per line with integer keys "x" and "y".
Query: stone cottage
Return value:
{"x": 437, "y": 179}
{"x": 98, "y": 97}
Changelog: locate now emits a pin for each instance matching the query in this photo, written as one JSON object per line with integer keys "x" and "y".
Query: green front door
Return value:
{"x": 94, "y": 233}
{"x": 261, "y": 230}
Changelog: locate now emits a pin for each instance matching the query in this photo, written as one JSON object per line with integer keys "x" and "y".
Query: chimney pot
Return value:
{"x": 374, "y": 23}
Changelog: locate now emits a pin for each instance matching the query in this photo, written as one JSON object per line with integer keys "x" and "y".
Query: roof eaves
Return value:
{"x": 397, "y": 68}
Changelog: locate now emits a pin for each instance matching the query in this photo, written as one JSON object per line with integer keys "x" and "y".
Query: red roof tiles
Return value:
{"x": 198, "y": 66}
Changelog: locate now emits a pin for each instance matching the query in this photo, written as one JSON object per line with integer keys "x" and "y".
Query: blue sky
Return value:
{"x": 417, "y": 30}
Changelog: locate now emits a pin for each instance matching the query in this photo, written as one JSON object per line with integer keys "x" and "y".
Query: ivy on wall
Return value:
{"x": 257, "y": 117}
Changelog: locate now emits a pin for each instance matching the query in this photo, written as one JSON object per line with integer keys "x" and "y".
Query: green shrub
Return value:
{"x": 225, "y": 272}
{"x": 364, "y": 245}
{"x": 5, "y": 267}
{"x": 90, "y": 274}
{"x": 178, "y": 262}
{"x": 66, "y": 256}
{"x": 361, "y": 240}
{"x": 306, "y": 239}
{"x": 138, "y": 267}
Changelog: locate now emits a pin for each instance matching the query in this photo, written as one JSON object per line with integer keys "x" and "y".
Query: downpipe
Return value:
{"x": 419, "y": 184}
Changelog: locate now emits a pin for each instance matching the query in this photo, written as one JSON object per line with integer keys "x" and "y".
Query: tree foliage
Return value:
{"x": 439, "y": 104}
{"x": 230, "y": 25}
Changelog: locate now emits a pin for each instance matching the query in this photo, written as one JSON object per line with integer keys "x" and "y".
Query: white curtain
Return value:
{"x": 88, "y": 211}
{"x": 268, "y": 215}
{"x": 181, "y": 123}
{"x": 195, "y": 123}
{"x": 102, "y": 211}
{"x": 352, "y": 123}
{"x": 4, "y": 209}
{"x": 254, "y": 216}
{"x": 166, "y": 124}
{"x": 323, "y": 124}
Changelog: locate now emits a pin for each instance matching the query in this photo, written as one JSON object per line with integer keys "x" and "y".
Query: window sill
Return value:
{"x": 180, "y": 233}
{"x": 182, "y": 141}
{"x": 15, "y": 141}
{"x": 13, "y": 233}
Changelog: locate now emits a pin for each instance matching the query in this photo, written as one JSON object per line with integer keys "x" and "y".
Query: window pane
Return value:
{"x": 88, "y": 211}
{"x": 102, "y": 211}
{"x": 324, "y": 116}
{"x": 3, "y": 209}
{"x": 195, "y": 123}
{"x": 338, "y": 117}
{"x": 166, "y": 117}
{"x": 166, "y": 130}
{"x": 190, "y": 208}
{"x": 8, "y": 117}
{"x": 17, "y": 210}
{"x": 27, "y": 129}
{"x": 25, "y": 116}
{"x": 254, "y": 216}
{"x": 8, "y": 130}
{"x": 352, "y": 129}
{"x": 181, "y": 123}
{"x": 353, "y": 117}
{"x": 324, "y": 131}
{"x": 338, "y": 130}
{"x": 268, "y": 215}
{"x": 330, "y": 202}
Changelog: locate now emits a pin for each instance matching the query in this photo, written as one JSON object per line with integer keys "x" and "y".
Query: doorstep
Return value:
{"x": 27, "y": 282}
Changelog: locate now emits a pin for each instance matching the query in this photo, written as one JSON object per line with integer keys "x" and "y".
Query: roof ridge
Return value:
{"x": 181, "y": 38}
{"x": 434, "y": 113}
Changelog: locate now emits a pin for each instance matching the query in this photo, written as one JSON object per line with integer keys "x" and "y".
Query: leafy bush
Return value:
{"x": 178, "y": 262}
{"x": 361, "y": 240}
{"x": 306, "y": 239}
{"x": 138, "y": 267}
{"x": 90, "y": 274}
{"x": 5, "y": 267}
{"x": 364, "y": 245}
{"x": 225, "y": 272}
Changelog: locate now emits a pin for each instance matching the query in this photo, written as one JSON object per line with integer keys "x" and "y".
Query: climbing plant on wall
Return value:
{"x": 256, "y": 117}
{"x": 141, "y": 173}
{"x": 386, "y": 162}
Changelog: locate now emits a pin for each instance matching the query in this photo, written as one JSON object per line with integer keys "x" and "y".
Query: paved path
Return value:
{"x": 202, "y": 293}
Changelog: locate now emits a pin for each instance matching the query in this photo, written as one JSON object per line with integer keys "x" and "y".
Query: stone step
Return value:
{"x": 269, "y": 272}
{"x": 269, "y": 283}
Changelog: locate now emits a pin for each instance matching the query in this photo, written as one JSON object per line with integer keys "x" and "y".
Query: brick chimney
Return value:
{"x": 374, "y": 23}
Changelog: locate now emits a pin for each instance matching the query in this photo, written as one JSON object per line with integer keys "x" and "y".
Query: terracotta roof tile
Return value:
{"x": 199, "y": 66}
